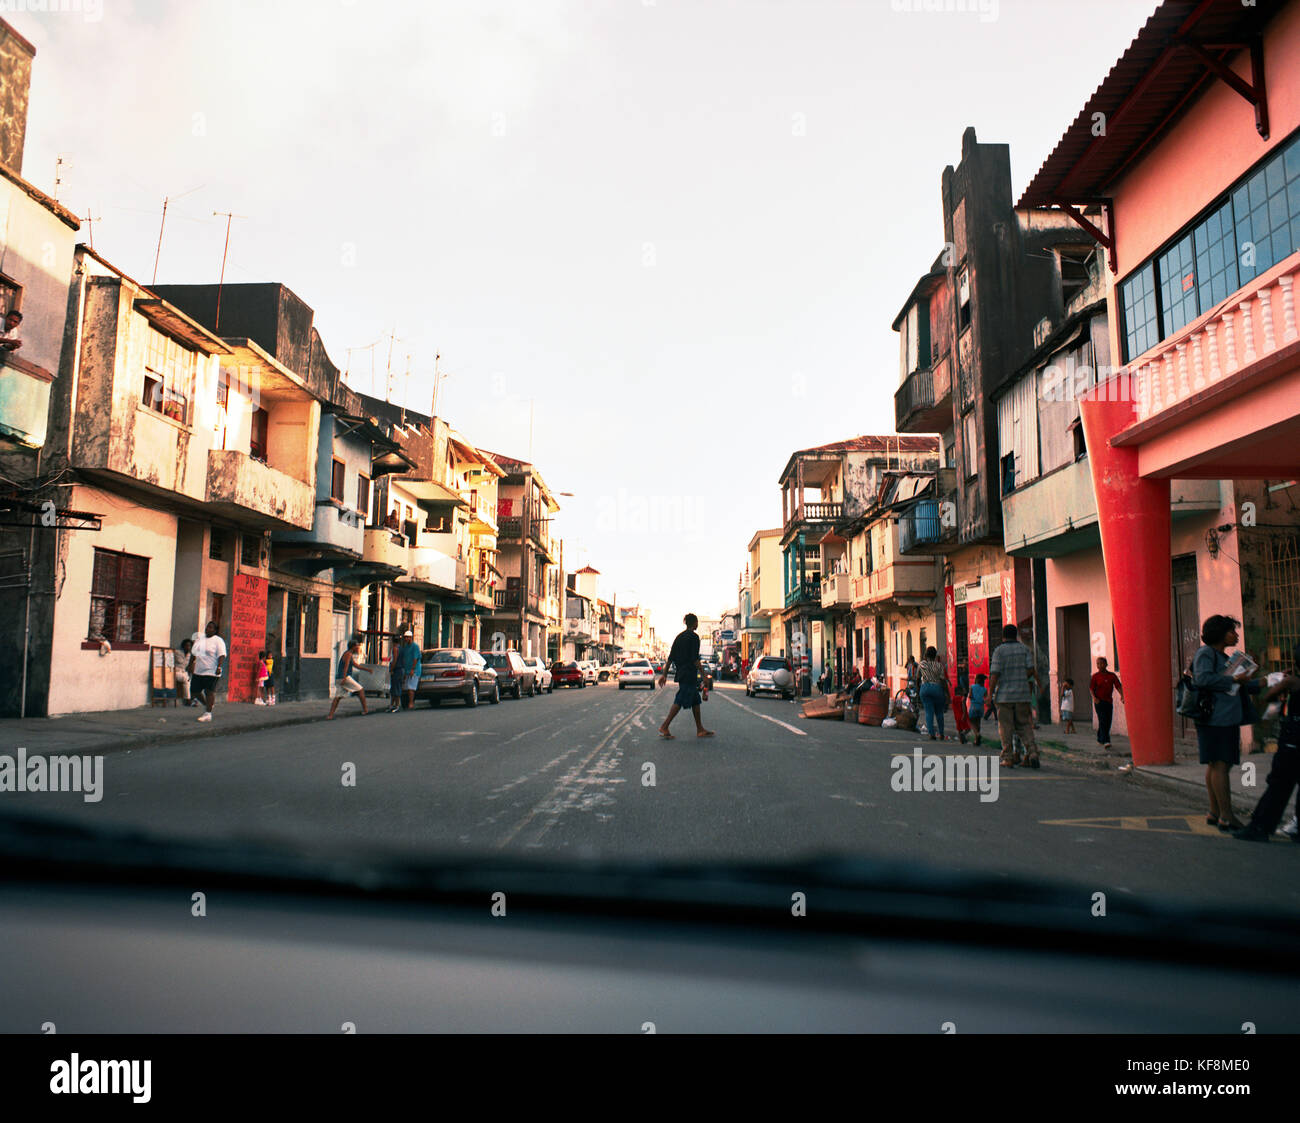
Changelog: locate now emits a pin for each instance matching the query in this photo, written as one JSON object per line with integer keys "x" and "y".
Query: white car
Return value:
{"x": 770, "y": 675}
{"x": 545, "y": 680}
{"x": 636, "y": 672}
{"x": 589, "y": 671}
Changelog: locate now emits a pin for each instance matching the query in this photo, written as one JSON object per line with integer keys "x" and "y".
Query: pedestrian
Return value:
{"x": 978, "y": 695}
{"x": 1218, "y": 736}
{"x": 346, "y": 683}
{"x": 263, "y": 677}
{"x": 913, "y": 672}
{"x": 181, "y": 663}
{"x": 9, "y": 340}
{"x": 207, "y": 660}
{"x": 395, "y": 676}
{"x": 1067, "y": 704}
{"x": 1284, "y": 776}
{"x": 934, "y": 693}
{"x": 684, "y": 657}
{"x": 409, "y": 669}
{"x": 270, "y": 679}
{"x": 1010, "y": 670}
{"x": 961, "y": 709}
{"x": 1103, "y": 686}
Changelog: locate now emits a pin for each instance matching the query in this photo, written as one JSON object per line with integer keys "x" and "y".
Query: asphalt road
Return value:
{"x": 583, "y": 773}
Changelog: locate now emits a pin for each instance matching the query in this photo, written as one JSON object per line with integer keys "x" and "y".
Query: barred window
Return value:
{"x": 118, "y": 593}
{"x": 311, "y": 625}
{"x": 168, "y": 377}
{"x": 250, "y": 551}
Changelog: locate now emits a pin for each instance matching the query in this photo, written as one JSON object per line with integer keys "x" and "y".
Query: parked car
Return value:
{"x": 589, "y": 671}
{"x": 567, "y": 674}
{"x": 545, "y": 681}
{"x": 514, "y": 676}
{"x": 636, "y": 672}
{"x": 772, "y": 674}
{"x": 606, "y": 672}
{"x": 456, "y": 672}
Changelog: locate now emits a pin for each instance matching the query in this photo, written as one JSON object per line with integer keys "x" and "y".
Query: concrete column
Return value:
{"x": 1133, "y": 515}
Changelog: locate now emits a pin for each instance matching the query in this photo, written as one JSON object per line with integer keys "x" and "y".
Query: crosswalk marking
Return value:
{"x": 1193, "y": 824}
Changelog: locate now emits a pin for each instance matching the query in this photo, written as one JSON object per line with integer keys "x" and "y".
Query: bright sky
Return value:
{"x": 680, "y": 228}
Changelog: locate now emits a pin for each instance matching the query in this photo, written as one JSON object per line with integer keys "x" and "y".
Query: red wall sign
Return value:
{"x": 247, "y": 636}
{"x": 977, "y": 638}
{"x": 950, "y": 631}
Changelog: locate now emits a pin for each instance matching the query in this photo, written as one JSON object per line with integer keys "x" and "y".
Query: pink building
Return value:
{"x": 1185, "y": 164}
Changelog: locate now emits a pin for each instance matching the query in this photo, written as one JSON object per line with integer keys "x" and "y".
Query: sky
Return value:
{"x": 661, "y": 242}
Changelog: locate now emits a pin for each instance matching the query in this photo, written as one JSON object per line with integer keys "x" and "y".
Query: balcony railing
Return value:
{"x": 809, "y": 590}
{"x": 1251, "y": 327}
{"x": 894, "y": 580}
{"x": 916, "y": 394}
{"x": 511, "y": 529}
{"x": 835, "y": 590}
{"x": 514, "y": 599}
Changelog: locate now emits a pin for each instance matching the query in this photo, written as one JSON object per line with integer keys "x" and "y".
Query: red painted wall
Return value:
{"x": 247, "y": 635}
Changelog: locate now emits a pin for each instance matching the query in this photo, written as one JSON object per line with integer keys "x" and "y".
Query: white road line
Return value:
{"x": 782, "y": 724}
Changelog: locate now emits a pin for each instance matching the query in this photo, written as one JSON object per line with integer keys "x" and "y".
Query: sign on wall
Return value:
{"x": 950, "y": 632}
{"x": 247, "y": 635}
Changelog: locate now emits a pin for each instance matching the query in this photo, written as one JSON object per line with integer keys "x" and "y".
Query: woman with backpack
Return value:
{"x": 1225, "y": 708}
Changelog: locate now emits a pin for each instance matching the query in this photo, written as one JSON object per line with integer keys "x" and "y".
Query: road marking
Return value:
{"x": 782, "y": 724}
{"x": 1195, "y": 824}
{"x": 573, "y": 775}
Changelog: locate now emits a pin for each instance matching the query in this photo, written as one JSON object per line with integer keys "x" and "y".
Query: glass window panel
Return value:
{"x": 1178, "y": 286}
{"x": 1274, "y": 175}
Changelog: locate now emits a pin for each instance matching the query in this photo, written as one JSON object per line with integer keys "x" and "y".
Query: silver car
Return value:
{"x": 545, "y": 680}
{"x": 771, "y": 675}
{"x": 456, "y": 672}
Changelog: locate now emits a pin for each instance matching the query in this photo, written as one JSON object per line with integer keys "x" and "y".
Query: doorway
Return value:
{"x": 341, "y": 633}
{"x": 289, "y": 683}
{"x": 1074, "y": 658}
{"x": 1186, "y": 625}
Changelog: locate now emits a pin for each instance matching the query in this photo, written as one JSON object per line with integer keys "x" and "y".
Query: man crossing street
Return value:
{"x": 685, "y": 656}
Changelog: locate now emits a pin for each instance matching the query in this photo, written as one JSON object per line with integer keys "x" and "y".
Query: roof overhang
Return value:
{"x": 1184, "y": 47}
{"x": 924, "y": 287}
{"x": 174, "y": 323}
{"x": 428, "y": 493}
{"x": 264, "y": 373}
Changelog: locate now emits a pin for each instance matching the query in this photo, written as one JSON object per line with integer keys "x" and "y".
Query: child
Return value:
{"x": 346, "y": 683}
{"x": 961, "y": 709}
{"x": 263, "y": 675}
{"x": 1067, "y": 704}
{"x": 976, "y": 711}
{"x": 270, "y": 679}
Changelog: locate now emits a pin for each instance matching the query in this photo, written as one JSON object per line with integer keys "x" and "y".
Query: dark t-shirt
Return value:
{"x": 685, "y": 656}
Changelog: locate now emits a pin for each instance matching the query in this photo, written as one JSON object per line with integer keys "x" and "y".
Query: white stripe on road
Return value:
{"x": 782, "y": 724}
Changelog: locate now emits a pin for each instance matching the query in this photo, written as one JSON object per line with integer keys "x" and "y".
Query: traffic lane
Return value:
{"x": 417, "y": 778}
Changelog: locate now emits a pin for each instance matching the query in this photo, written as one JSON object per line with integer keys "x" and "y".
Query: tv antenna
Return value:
{"x": 162, "y": 225}
{"x": 216, "y": 323}
{"x": 90, "y": 221}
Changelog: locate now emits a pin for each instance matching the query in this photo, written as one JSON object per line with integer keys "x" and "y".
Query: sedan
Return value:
{"x": 567, "y": 674}
{"x": 545, "y": 681}
{"x": 514, "y": 676}
{"x": 589, "y": 672}
{"x": 771, "y": 675}
{"x": 456, "y": 672}
{"x": 636, "y": 672}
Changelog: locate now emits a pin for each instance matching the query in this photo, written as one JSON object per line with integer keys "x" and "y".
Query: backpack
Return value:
{"x": 1191, "y": 702}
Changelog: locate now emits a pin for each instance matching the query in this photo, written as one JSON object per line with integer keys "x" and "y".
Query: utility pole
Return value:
{"x": 216, "y": 323}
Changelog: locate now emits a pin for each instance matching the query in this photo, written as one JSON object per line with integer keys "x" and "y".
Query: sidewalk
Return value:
{"x": 1186, "y": 775}
{"x": 121, "y": 730}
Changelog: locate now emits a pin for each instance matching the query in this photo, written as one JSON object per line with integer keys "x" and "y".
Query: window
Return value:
{"x": 257, "y": 435}
{"x": 168, "y": 376}
{"x": 342, "y": 602}
{"x": 11, "y": 295}
{"x": 119, "y": 589}
{"x": 971, "y": 449}
{"x": 217, "y": 610}
{"x": 950, "y": 449}
{"x": 310, "y": 625}
{"x": 916, "y": 337}
{"x": 363, "y": 496}
{"x": 1250, "y": 231}
{"x": 217, "y": 545}
{"x": 963, "y": 300}
{"x": 1008, "y": 473}
{"x": 337, "y": 478}
{"x": 1076, "y": 431}
{"x": 250, "y": 551}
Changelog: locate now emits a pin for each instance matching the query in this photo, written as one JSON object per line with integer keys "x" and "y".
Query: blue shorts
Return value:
{"x": 688, "y": 695}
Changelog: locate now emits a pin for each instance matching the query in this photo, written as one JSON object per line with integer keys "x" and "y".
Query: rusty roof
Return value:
{"x": 1152, "y": 85}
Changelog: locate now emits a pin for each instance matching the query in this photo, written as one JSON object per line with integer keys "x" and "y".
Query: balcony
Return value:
{"x": 1238, "y": 363}
{"x": 923, "y": 403}
{"x": 511, "y": 600}
{"x": 239, "y": 487}
{"x": 24, "y": 400}
{"x": 511, "y": 529}
{"x": 909, "y": 582}
{"x": 804, "y": 592}
{"x": 1056, "y": 514}
{"x": 433, "y": 569}
{"x": 835, "y": 591}
{"x": 580, "y": 629}
{"x": 386, "y": 547}
{"x": 927, "y": 524}
{"x": 818, "y": 512}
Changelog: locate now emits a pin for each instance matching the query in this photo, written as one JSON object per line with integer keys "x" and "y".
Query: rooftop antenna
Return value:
{"x": 388, "y": 376}
{"x": 216, "y": 323}
{"x": 406, "y": 389}
{"x": 90, "y": 221}
{"x": 59, "y": 164}
{"x": 162, "y": 225}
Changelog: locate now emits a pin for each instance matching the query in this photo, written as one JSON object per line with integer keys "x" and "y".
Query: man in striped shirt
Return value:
{"x": 1010, "y": 670}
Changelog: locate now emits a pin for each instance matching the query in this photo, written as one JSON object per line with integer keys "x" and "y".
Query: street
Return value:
{"x": 583, "y": 774}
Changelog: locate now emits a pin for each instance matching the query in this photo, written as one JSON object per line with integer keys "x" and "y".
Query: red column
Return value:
{"x": 1133, "y": 514}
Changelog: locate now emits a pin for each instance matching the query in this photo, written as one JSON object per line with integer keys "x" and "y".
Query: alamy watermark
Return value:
{"x": 935, "y": 773}
{"x": 36, "y": 773}
{"x": 92, "y": 11}
{"x": 987, "y": 10}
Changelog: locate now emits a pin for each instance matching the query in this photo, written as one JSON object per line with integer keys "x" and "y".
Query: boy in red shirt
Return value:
{"x": 1103, "y": 686}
